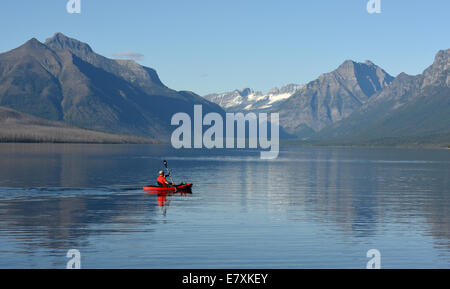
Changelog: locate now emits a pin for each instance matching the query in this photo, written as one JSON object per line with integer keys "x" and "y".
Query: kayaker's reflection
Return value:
{"x": 163, "y": 199}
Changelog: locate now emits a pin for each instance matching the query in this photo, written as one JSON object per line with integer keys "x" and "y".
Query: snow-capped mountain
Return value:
{"x": 249, "y": 100}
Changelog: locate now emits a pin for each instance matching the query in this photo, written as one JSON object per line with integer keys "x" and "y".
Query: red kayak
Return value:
{"x": 179, "y": 188}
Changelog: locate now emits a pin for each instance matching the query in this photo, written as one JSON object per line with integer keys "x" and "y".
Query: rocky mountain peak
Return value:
{"x": 442, "y": 58}
{"x": 246, "y": 91}
{"x": 439, "y": 72}
{"x": 64, "y": 80}
{"x": 32, "y": 44}
{"x": 62, "y": 42}
{"x": 332, "y": 97}
{"x": 274, "y": 90}
{"x": 347, "y": 68}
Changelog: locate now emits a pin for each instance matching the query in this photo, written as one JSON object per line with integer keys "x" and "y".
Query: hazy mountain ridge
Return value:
{"x": 306, "y": 109}
{"x": 361, "y": 104}
{"x": 250, "y": 100}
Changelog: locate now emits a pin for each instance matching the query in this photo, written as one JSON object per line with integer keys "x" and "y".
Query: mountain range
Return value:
{"x": 411, "y": 110}
{"x": 64, "y": 80}
{"x": 250, "y": 100}
{"x": 63, "y": 84}
{"x": 361, "y": 104}
{"x": 306, "y": 109}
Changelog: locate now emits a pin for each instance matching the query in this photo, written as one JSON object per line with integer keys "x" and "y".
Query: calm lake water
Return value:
{"x": 310, "y": 208}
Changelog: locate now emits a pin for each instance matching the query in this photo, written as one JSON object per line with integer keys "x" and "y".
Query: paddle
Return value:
{"x": 171, "y": 180}
{"x": 170, "y": 174}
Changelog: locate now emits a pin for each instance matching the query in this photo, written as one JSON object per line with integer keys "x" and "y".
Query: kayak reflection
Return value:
{"x": 164, "y": 194}
{"x": 162, "y": 198}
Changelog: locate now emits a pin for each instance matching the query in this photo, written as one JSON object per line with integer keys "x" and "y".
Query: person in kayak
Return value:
{"x": 162, "y": 181}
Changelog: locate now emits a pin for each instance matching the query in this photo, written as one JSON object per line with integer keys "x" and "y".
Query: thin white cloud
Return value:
{"x": 129, "y": 55}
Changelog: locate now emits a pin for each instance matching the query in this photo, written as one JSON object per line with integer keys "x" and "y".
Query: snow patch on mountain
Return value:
{"x": 249, "y": 100}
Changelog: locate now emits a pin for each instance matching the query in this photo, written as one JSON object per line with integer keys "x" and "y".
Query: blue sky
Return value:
{"x": 219, "y": 45}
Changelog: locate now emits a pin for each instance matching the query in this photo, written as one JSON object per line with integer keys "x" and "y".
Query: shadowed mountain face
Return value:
{"x": 332, "y": 97}
{"x": 413, "y": 109}
{"x": 21, "y": 127}
{"x": 63, "y": 79}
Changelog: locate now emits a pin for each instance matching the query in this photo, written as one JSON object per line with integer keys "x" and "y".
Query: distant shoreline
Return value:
{"x": 71, "y": 142}
{"x": 282, "y": 144}
{"x": 89, "y": 138}
{"x": 18, "y": 127}
{"x": 424, "y": 147}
